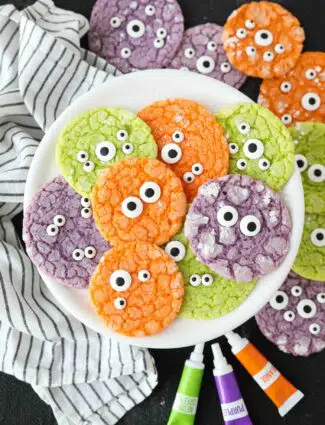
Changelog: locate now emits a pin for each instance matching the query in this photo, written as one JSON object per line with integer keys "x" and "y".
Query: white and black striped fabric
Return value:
{"x": 87, "y": 378}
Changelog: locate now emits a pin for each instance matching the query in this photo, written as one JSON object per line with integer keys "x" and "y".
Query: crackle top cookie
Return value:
{"x": 98, "y": 138}
{"x": 300, "y": 94}
{"x": 190, "y": 141}
{"x": 207, "y": 295}
{"x": 138, "y": 199}
{"x": 137, "y": 289}
{"x": 309, "y": 141}
{"x": 238, "y": 227}
{"x": 262, "y": 39}
{"x": 60, "y": 234}
{"x": 134, "y": 35}
{"x": 294, "y": 319}
{"x": 259, "y": 144}
{"x": 310, "y": 261}
{"x": 202, "y": 51}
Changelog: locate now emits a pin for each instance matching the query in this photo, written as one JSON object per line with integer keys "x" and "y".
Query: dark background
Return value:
{"x": 19, "y": 405}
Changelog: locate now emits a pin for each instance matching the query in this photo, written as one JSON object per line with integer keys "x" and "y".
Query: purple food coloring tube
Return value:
{"x": 232, "y": 404}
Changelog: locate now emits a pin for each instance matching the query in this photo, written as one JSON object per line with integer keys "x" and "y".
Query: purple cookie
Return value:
{"x": 60, "y": 234}
{"x": 294, "y": 319}
{"x": 238, "y": 227}
{"x": 202, "y": 51}
{"x": 134, "y": 34}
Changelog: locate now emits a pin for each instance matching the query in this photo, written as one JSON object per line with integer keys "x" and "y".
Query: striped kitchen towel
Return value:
{"x": 85, "y": 377}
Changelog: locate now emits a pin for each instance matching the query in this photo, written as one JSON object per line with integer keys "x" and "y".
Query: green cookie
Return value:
{"x": 310, "y": 261}
{"x": 97, "y": 139}
{"x": 212, "y": 296}
{"x": 309, "y": 141}
{"x": 259, "y": 144}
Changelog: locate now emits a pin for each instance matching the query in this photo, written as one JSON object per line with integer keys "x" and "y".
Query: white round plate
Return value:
{"x": 134, "y": 91}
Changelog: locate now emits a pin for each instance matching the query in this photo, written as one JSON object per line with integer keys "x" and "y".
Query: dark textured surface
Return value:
{"x": 19, "y": 405}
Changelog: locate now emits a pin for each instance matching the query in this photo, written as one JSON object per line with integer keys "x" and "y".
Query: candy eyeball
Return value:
{"x": 78, "y": 254}
{"x": 161, "y": 32}
{"x": 136, "y": 28}
{"x": 212, "y": 46}
{"x": 253, "y": 148}
{"x": 59, "y": 220}
{"x": 85, "y": 202}
{"x": 120, "y": 303}
{"x": 176, "y": 250}
{"x": 205, "y": 64}
{"x": 268, "y": 56}
{"x": 310, "y": 74}
{"x": 279, "y": 48}
{"x": 144, "y": 275}
{"x": 286, "y": 119}
{"x": 195, "y": 280}
{"x": 227, "y": 216}
{"x": 241, "y": 33}
{"x": 86, "y": 212}
{"x": 158, "y": 43}
{"x": 264, "y": 164}
{"x": 317, "y": 237}
{"x": 171, "y": 153}
{"x": 311, "y": 101}
{"x": 314, "y": 328}
{"x": 127, "y": 148}
{"x": 244, "y": 128}
{"x": 52, "y": 230}
{"x": 225, "y": 67}
{"x": 105, "y": 151}
{"x": 280, "y": 301}
{"x": 188, "y": 177}
{"x": 120, "y": 280}
{"x": 189, "y": 53}
{"x": 249, "y": 24}
{"x": 301, "y": 162}
{"x": 82, "y": 156}
{"x": 197, "y": 169}
{"x": 306, "y": 309}
{"x": 125, "y": 52}
{"x": 89, "y": 166}
{"x": 250, "y": 51}
{"x": 316, "y": 173}
{"x": 150, "y": 10}
{"x": 263, "y": 37}
{"x": 178, "y": 136}
{"x": 296, "y": 291}
{"x": 233, "y": 148}
{"x": 115, "y": 22}
{"x": 241, "y": 164}
{"x": 150, "y": 192}
{"x": 207, "y": 279}
{"x": 250, "y": 225}
{"x": 90, "y": 252}
{"x": 122, "y": 135}
{"x": 321, "y": 297}
{"x": 132, "y": 207}
{"x": 289, "y": 316}
{"x": 285, "y": 86}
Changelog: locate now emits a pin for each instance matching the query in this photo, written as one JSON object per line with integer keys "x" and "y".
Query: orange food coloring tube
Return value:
{"x": 283, "y": 394}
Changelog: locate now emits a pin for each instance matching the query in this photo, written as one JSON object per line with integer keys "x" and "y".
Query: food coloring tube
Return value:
{"x": 283, "y": 394}
{"x": 232, "y": 404}
{"x": 185, "y": 404}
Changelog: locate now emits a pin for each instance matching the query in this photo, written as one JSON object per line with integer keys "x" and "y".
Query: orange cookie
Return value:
{"x": 300, "y": 94}
{"x": 189, "y": 140}
{"x": 263, "y": 39}
{"x": 137, "y": 289}
{"x": 138, "y": 199}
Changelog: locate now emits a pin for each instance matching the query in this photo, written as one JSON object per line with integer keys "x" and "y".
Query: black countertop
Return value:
{"x": 19, "y": 405}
